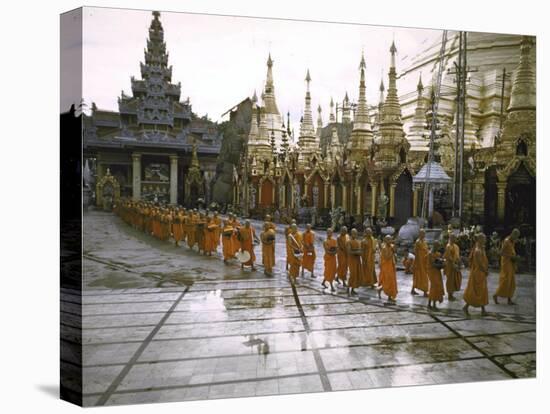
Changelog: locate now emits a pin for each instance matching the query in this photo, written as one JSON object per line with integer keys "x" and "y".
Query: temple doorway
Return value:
{"x": 520, "y": 207}
{"x": 403, "y": 198}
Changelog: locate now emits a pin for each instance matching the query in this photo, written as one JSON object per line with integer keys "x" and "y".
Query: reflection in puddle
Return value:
{"x": 212, "y": 301}
{"x": 262, "y": 347}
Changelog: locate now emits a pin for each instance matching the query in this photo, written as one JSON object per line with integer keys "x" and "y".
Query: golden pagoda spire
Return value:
{"x": 361, "y": 121}
{"x": 307, "y": 131}
{"x": 418, "y": 132}
{"x": 523, "y": 95}
{"x": 319, "y": 121}
{"x": 391, "y": 132}
{"x": 269, "y": 90}
{"x": 391, "y": 111}
{"x": 332, "y": 118}
{"x": 361, "y": 134}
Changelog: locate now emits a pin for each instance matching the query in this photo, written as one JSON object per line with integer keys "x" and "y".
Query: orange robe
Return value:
{"x": 191, "y": 230}
{"x": 388, "y": 277}
{"x": 227, "y": 242}
{"x": 476, "y": 293}
{"x": 235, "y": 242}
{"x": 210, "y": 232}
{"x": 354, "y": 263}
{"x": 200, "y": 233}
{"x": 452, "y": 272}
{"x": 268, "y": 253}
{"x": 247, "y": 243}
{"x": 177, "y": 228}
{"x": 436, "y": 280}
{"x": 295, "y": 244}
{"x": 288, "y": 248}
{"x": 157, "y": 226}
{"x": 308, "y": 262}
{"x": 330, "y": 259}
{"x": 368, "y": 244}
{"x": 507, "y": 277}
{"x": 420, "y": 269}
{"x": 342, "y": 256}
{"x": 218, "y": 222}
{"x": 184, "y": 226}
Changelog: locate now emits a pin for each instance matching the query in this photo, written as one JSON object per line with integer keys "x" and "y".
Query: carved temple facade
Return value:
{"x": 365, "y": 164}
{"x": 151, "y": 147}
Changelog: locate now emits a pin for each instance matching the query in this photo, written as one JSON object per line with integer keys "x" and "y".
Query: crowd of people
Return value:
{"x": 349, "y": 259}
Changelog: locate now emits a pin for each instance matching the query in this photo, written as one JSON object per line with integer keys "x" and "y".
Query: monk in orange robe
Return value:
{"x": 247, "y": 236}
{"x": 435, "y": 264}
{"x": 368, "y": 245}
{"x": 308, "y": 261}
{"x": 295, "y": 260}
{"x": 288, "y": 248}
{"x": 452, "y": 267}
{"x": 235, "y": 242}
{"x": 177, "y": 229}
{"x": 342, "y": 256}
{"x": 210, "y": 232}
{"x": 156, "y": 224}
{"x": 267, "y": 238}
{"x": 191, "y": 229}
{"x": 420, "y": 269}
{"x": 218, "y": 222}
{"x": 476, "y": 293}
{"x": 508, "y": 261}
{"x": 355, "y": 266}
{"x": 183, "y": 219}
{"x": 387, "y": 279}
{"x": 330, "y": 260}
{"x": 227, "y": 244}
{"x": 200, "y": 231}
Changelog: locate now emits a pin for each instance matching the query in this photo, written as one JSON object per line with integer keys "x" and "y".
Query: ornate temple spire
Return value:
{"x": 332, "y": 118}
{"x": 391, "y": 135}
{"x": 361, "y": 121}
{"x": 361, "y": 135}
{"x": 523, "y": 95}
{"x": 306, "y": 128}
{"x": 346, "y": 110}
{"x": 420, "y": 85}
{"x": 268, "y": 95}
{"x": 319, "y": 121}
{"x": 418, "y": 132}
{"x": 381, "y": 89}
{"x": 391, "y": 111}
{"x": 254, "y": 132}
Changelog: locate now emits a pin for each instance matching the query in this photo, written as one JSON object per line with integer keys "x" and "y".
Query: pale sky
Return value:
{"x": 220, "y": 60}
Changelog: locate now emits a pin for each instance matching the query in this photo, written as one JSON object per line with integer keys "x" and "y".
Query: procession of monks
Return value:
{"x": 348, "y": 258}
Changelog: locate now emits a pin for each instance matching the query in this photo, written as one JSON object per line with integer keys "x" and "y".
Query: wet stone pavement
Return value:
{"x": 161, "y": 323}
